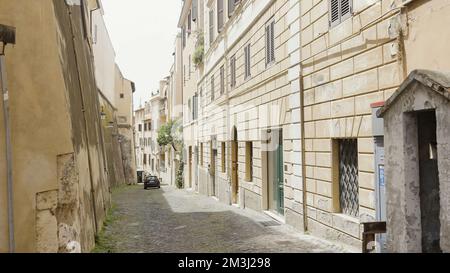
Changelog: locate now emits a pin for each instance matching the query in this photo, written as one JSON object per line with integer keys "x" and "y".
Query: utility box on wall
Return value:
{"x": 380, "y": 185}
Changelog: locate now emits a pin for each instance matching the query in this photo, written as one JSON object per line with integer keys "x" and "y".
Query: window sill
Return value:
{"x": 347, "y": 217}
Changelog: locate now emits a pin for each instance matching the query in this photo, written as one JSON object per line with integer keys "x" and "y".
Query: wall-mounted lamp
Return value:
{"x": 103, "y": 114}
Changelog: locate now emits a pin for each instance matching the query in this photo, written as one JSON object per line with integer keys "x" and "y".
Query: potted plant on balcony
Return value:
{"x": 199, "y": 52}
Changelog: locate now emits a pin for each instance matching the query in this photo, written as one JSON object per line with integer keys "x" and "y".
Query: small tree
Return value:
{"x": 171, "y": 134}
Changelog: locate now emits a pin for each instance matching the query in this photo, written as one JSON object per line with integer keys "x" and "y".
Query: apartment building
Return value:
{"x": 124, "y": 90}
{"x": 240, "y": 136}
{"x": 192, "y": 43}
{"x": 159, "y": 108}
{"x": 143, "y": 127}
{"x": 282, "y": 118}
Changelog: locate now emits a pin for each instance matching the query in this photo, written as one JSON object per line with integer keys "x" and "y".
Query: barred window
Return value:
{"x": 348, "y": 177}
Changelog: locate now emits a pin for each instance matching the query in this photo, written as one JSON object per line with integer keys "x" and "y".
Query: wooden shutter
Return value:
{"x": 222, "y": 80}
{"x": 211, "y": 26}
{"x": 346, "y": 9}
{"x": 212, "y": 88}
{"x": 231, "y": 5}
{"x": 268, "y": 44}
{"x": 272, "y": 41}
{"x": 247, "y": 61}
{"x": 233, "y": 71}
{"x": 219, "y": 15}
{"x": 189, "y": 28}
{"x": 335, "y": 16}
{"x": 194, "y": 10}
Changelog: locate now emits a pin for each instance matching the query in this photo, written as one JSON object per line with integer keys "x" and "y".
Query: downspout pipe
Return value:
{"x": 7, "y": 36}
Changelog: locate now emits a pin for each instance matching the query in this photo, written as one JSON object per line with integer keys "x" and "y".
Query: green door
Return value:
{"x": 280, "y": 175}
{"x": 275, "y": 172}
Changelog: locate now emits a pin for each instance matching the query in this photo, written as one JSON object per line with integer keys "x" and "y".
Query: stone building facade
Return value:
{"x": 347, "y": 62}
{"x": 191, "y": 23}
{"x": 278, "y": 113}
{"x": 246, "y": 94}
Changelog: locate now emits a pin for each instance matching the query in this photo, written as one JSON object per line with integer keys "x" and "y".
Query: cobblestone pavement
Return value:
{"x": 170, "y": 220}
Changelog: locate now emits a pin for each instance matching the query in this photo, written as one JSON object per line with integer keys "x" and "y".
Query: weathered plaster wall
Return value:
{"x": 60, "y": 189}
{"x": 402, "y": 168}
{"x": 427, "y": 32}
{"x": 40, "y": 122}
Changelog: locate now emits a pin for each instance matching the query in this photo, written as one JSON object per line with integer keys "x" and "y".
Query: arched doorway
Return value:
{"x": 234, "y": 167}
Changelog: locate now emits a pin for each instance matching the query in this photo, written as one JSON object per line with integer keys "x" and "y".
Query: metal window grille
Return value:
{"x": 348, "y": 177}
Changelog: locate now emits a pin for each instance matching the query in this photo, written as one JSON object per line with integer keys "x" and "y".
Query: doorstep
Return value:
{"x": 275, "y": 216}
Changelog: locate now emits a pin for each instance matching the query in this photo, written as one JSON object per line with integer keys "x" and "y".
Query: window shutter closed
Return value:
{"x": 233, "y": 71}
{"x": 346, "y": 9}
{"x": 267, "y": 44}
{"x": 335, "y": 17}
{"x": 194, "y": 10}
{"x": 247, "y": 61}
{"x": 222, "y": 80}
{"x": 339, "y": 11}
{"x": 272, "y": 41}
{"x": 212, "y": 88}
{"x": 231, "y": 5}
{"x": 211, "y": 26}
{"x": 219, "y": 15}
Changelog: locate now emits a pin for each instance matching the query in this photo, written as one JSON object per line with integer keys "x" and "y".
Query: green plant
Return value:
{"x": 179, "y": 178}
{"x": 165, "y": 134}
{"x": 199, "y": 51}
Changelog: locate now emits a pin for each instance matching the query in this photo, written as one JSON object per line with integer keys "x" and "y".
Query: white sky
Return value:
{"x": 143, "y": 34}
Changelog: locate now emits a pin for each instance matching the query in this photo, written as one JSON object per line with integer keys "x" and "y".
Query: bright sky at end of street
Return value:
{"x": 143, "y": 33}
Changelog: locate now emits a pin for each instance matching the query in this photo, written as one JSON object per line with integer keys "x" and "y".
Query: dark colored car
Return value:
{"x": 151, "y": 181}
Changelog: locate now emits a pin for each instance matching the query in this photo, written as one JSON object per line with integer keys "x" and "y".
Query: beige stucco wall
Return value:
{"x": 104, "y": 57}
{"x": 426, "y": 38}
{"x": 35, "y": 115}
{"x": 60, "y": 187}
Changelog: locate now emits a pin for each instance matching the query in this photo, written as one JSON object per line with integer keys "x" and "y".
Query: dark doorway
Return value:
{"x": 140, "y": 177}
{"x": 429, "y": 182}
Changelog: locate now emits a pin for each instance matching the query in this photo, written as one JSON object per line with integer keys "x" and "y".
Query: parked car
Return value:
{"x": 151, "y": 181}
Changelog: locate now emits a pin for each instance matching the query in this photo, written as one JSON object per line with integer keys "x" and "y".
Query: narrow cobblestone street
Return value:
{"x": 170, "y": 220}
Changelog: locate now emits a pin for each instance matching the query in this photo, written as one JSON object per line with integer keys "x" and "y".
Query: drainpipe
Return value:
{"x": 303, "y": 144}
{"x": 7, "y": 36}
